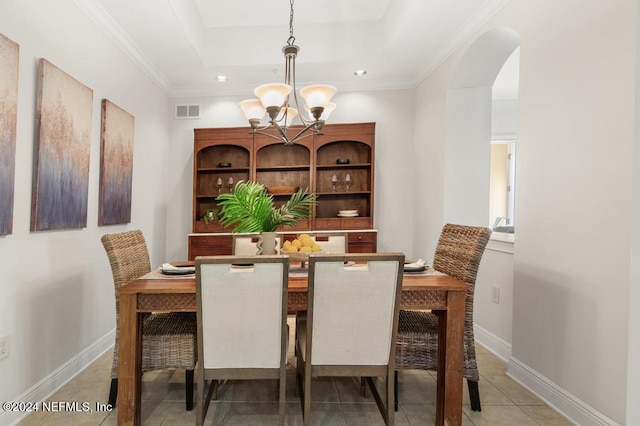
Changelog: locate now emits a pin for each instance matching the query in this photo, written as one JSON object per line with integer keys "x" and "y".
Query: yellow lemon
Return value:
{"x": 286, "y": 244}
{"x": 301, "y": 236}
{"x": 307, "y": 242}
{"x": 305, "y": 249}
{"x": 292, "y": 249}
{"x": 316, "y": 247}
{"x": 296, "y": 243}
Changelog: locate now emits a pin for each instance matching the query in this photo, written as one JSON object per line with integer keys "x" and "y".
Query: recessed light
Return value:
{"x": 221, "y": 78}
{"x": 360, "y": 73}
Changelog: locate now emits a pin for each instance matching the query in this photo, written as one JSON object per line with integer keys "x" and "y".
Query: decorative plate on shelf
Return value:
{"x": 224, "y": 164}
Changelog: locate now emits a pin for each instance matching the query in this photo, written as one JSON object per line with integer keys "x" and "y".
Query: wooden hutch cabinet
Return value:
{"x": 338, "y": 165}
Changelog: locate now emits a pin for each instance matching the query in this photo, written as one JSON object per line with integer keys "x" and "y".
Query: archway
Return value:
{"x": 467, "y": 149}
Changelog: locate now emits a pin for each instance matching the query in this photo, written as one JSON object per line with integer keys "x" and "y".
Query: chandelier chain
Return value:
{"x": 291, "y": 40}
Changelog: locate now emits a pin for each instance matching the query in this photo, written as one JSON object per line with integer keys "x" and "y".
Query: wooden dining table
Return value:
{"x": 155, "y": 293}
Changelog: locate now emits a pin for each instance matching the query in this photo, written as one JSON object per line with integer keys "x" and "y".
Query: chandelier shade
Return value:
{"x": 328, "y": 108}
{"x": 280, "y": 101}
{"x": 253, "y": 109}
{"x": 317, "y": 95}
{"x": 274, "y": 94}
{"x": 287, "y": 114}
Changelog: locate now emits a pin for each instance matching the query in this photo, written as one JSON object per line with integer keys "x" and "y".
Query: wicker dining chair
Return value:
{"x": 168, "y": 339}
{"x": 458, "y": 255}
{"x": 242, "y": 323}
{"x": 351, "y": 323}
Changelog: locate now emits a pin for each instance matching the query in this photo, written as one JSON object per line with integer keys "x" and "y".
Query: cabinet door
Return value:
{"x": 209, "y": 245}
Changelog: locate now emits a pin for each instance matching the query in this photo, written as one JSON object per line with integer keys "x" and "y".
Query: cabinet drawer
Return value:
{"x": 356, "y": 223}
{"x": 328, "y": 223}
{"x": 363, "y": 242}
{"x": 336, "y": 223}
{"x": 210, "y": 245}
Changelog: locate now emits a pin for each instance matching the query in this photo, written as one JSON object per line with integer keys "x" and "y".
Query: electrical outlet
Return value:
{"x": 4, "y": 346}
{"x": 495, "y": 294}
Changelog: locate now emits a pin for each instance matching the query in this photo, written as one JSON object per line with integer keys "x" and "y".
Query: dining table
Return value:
{"x": 155, "y": 292}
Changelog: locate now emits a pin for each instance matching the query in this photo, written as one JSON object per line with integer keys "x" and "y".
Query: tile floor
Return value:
{"x": 335, "y": 401}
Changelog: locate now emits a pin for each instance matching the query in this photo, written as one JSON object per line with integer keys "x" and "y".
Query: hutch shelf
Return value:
{"x": 338, "y": 165}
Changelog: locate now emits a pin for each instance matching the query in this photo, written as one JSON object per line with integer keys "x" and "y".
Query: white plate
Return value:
{"x": 185, "y": 270}
{"x": 348, "y": 215}
{"x": 348, "y": 211}
{"x": 410, "y": 268}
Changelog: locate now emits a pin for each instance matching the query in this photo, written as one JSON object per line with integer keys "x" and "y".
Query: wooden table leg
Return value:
{"x": 450, "y": 357}
{"x": 129, "y": 362}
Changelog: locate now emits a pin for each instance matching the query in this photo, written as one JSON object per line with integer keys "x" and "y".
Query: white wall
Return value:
{"x": 56, "y": 299}
{"x": 572, "y": 255}
{"x": 633, "y": 375}
{"x": 395, "y": 188}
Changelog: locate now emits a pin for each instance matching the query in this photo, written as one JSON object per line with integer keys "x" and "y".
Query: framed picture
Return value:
{"x": 116, "y": 165}
{"x": 62, "y": 151}
{"x": 9, "y": 57}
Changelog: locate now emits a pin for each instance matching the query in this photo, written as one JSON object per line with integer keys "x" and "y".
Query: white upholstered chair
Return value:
{"x": 242, "y": 323}
{"x": 331, "y": 243}
{"x": 351, "y": 323}
{"x": 246, "y": 244}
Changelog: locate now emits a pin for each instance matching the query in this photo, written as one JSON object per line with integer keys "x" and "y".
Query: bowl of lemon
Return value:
{"x": 300, "y": 247}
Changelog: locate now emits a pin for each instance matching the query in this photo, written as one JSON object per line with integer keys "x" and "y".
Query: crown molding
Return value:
{"x": 103, "y": 20}
{"x": 473, "y": 25}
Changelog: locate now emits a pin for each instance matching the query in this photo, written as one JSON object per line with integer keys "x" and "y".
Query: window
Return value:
{"x": 502, "y": 186}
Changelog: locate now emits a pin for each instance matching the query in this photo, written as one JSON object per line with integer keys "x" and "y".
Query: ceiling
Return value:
{"x": 184, "y": 44}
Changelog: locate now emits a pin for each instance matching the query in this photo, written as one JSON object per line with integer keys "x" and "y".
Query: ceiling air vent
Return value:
{"x": 187, "y": 111}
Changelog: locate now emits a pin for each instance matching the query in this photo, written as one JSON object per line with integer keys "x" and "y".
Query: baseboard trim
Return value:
{"x": 58, "y": 378}
{"x": 562, "y": 401}
{"x": 500, "y": 348}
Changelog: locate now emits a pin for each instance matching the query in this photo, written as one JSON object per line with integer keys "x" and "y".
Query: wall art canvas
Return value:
{"x": 62, "y": 149}
{"x": 9, "y": 57}
{"x": 116, "y": 165}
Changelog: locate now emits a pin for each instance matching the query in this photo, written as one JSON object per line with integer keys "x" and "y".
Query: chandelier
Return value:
{"x": 280, "y": 101}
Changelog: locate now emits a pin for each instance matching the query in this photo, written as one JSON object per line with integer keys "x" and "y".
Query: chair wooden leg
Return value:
{"x": 113, "y": 393}
{"x": 395, "y": 390}
{"x": 474, "y": 395}
{"x": 188, "y": 378}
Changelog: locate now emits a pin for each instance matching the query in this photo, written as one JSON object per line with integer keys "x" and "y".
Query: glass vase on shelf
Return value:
{"x": 347, "y": 180}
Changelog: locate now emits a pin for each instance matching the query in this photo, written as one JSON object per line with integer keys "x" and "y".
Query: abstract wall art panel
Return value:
{"x": 62, "y": 150}
{"x": 116, "y": 165}
{"x": 9, "y": 57}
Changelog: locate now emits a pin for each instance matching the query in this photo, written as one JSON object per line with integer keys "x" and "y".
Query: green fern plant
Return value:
{"x": 249, "y": 208}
